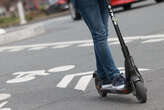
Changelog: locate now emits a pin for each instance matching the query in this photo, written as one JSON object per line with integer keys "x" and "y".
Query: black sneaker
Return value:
{"x": 105, "y": 84}
{"x": 118, "y": 82}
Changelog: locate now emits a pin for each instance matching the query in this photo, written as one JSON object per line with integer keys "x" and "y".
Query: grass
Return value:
{"x": 30, "y": 17}
{"x": 8, "y": 21}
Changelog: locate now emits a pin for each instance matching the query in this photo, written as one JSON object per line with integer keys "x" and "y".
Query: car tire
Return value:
{"x": 158, "y": 1}
{"x": 74, "y": 14}
{"x": 127, "y": 7}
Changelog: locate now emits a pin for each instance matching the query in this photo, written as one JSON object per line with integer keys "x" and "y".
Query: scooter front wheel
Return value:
{"x": 141, "y": 92}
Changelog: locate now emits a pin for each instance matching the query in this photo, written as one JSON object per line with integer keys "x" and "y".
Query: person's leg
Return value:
{"x": 90, "y": 11}
{"x": 105, "y": 17}
{"x": 104, "y": 13}
{"x": 92, "y": 14}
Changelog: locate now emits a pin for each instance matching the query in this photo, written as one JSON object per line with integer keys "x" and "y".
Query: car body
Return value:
{"x": 126, "y": 4}
{"x": 55, "y": 6}
{"x": 116, "y": 3}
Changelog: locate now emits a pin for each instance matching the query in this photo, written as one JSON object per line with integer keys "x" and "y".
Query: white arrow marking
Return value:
{"x": 83, "y": 82}
{"x": 68, "y": 78}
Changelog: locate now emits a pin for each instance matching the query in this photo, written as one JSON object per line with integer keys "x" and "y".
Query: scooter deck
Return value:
{"x": 116, "y": 91}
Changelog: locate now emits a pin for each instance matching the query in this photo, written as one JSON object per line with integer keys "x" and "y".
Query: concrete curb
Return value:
{"x": 2, "y": 31}
{"x": 28, "y": 32}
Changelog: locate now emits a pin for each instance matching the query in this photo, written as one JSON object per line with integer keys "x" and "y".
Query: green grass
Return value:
{"x": 8, "y": 21}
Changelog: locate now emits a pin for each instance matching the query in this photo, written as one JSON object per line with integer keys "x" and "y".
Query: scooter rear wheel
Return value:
{"x": 98, "y": 87}
{"x": 141, "y": 92}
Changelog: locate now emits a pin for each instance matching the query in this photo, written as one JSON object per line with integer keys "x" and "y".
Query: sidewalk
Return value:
{"x": 21, "y": 33}
{"x": 31, "y": 29}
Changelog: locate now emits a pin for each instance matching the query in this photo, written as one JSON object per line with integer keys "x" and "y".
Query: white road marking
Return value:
{"x": 65, "y": 81}
{"x": 83, "y": 83}
{"x": 62, "y": 68}
{"x": 84, "y": 80}
{"x": 117, "y": 42}
{"x": 27, "y": 76}
{"x": 153, "y": 40}
{"x": 36, "y": 48}
{"x": 3, "y": 104}
{"x": 5, "y": 109}
{"x": 61, "y": 46}
{"x": 84, "y": 43}
{"x": 2, "y": 98}
{"x": 68, "y": 78}
{"x": 16, "y": 50}
{"x": 31, "y": 75}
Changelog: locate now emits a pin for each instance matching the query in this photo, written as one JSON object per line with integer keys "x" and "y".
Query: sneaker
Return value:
{"x": 118, "y": 82}
{"x": 105, "y": 84}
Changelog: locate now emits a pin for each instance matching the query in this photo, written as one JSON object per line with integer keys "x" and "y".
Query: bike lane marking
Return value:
{"x": 31, "y": 75}
{"x": 3, "y": 102}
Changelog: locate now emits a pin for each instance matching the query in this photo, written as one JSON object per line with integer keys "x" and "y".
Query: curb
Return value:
{"x": 28, "y": 32}
{"x": 2, "y": 31}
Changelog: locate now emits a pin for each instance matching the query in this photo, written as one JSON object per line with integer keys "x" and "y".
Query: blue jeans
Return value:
{"x": 95, "y": 15}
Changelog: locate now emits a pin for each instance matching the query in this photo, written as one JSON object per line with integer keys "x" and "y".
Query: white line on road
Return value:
{"x": 153, "y": 40}
{"x": 16, "y": 49}
{"x": 83, "y": 83}
{"x": 68, "y": 78}
{"x": 4, "y": 97}
{"x": 62, "y": 68}
{"x": 36, "y": 48}
{"x": 83, "y": 43}
{"x": 85, "y": 79}
{"x": 62, "y": 46}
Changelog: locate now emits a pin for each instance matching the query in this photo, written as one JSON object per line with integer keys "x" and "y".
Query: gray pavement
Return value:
{"x": 53, "y": 71}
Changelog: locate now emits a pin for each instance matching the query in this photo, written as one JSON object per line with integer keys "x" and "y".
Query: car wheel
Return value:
{"x": 74, "y": 14}
{"x": 127, "y": 7}
{"x": 158, "y": 1}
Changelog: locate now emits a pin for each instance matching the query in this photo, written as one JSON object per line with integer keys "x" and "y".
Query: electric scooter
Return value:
{"x": 134, "y": 81}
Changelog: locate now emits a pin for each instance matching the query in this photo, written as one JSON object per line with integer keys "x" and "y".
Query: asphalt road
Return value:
{"x": 54, "y": 71}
